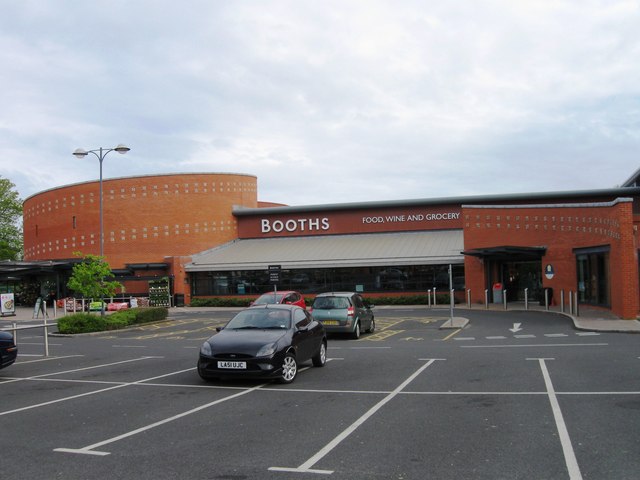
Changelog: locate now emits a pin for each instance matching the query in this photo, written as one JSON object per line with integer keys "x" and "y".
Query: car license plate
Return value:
{"x": 234, "y": 365}
{"x": 331, "y": 322}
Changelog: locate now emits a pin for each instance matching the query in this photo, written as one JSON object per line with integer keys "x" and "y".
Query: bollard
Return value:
{"x": 562, "y": 301}
{"x": 504, "y": 298}
{"x": 46, "y": 338}
{"x": 469, "y": 298}
{"x": 570, "y": 302}
{"x": 486, "y": 299}
{"x": 429, "y": 298}
{"x": 526, "y": 299}
{"x": 577, "y": 307}
{"x": 15, "y": 333}
{"x": 434, "y": 296}
{"x": 546, "y": 299}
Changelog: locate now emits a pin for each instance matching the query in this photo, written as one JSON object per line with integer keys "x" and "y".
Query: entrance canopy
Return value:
{"x": 326, "y": 251}
{"x": 10, "y": 269}
{"x": 507, "y": 253}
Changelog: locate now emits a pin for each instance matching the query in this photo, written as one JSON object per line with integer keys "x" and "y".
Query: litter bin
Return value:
{"x": 497, "y": 293}
{"x": 178, "y": 300}
{"x": 549, "y": 291}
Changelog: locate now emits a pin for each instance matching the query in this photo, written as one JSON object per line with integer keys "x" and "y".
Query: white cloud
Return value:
{"x": 327, "y": 101}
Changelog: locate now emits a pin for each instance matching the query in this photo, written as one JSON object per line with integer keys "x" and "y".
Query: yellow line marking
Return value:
{"x": 381, "y": 335}
{"x": 451, "y": 335}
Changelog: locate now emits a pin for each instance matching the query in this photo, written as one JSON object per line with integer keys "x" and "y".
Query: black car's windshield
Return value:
{"x": 329, "y": 303}
{"x": 268, "y": 299}
{"x": 261, "y": 318}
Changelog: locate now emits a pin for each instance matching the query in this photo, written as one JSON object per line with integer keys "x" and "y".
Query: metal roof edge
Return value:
{"x": 557, "y": 205}
{"x": 634, "y": 178}
{"x": 622, "y": 191}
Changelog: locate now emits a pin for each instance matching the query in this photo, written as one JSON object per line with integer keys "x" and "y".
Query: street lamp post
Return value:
{"x": 100, "y": 153}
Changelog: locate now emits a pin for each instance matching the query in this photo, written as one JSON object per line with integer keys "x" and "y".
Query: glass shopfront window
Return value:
{"x": 409, "y": 279}
{"x": 593, "y": 276}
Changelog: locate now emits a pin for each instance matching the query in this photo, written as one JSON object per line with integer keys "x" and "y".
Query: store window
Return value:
{"x": 592, "y": 266}
{"x": 406, "y": 279}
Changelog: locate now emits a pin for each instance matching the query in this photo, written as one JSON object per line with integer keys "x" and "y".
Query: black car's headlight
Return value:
{"x": 206, "y": 349}
{"x": 267, "y": 350}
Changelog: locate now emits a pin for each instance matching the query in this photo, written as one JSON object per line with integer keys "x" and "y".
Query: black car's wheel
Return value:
{"x": 372, "y": 327}
{"x": 356, "y": 331}
{"x": 289, "y": 369}
{"x": 321, "y": 357}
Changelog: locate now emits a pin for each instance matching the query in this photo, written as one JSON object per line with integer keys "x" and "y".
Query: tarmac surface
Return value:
{"x": 588, "y": 319}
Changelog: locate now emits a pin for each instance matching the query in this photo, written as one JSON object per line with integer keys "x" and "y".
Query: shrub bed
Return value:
{"x": 221, "y": 302}
{"x": 441, "y": 299}
{"x": 91, "y": 322}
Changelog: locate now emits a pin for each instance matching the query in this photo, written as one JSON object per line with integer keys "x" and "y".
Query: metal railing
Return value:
{"x": 45, "y": 328}
{"x": 573, "y": 300}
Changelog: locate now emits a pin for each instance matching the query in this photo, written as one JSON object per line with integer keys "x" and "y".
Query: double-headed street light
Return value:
{"x": 101, "y": 153}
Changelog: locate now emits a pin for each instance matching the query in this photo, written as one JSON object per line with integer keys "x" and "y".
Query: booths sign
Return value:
{"x": 323, "y": 223}
{"x": 291, "y": 225}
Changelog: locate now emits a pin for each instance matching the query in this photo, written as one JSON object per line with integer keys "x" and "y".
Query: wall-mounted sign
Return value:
{"x": 549, "y": 272}
{"x": 291, "y": 225}
{"x": 417, "y": 217}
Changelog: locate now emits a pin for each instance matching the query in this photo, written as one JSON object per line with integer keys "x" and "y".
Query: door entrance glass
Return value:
{"x": 593, "y": 278}
{"x": 516, "y": 276}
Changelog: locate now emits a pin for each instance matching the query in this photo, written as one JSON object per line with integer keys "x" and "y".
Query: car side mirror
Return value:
{"x": 219, "y": 329}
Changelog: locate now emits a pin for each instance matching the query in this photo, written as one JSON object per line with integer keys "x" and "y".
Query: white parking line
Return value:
{"x": 306, "y": 466}
{"x": 539, "y": 345}
{"x": 89, "y": 450}
{"x": 567, "y": 448}
{"x": 31, "y": 407}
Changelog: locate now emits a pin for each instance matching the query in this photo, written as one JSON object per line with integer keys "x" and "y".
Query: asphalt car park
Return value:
{"x": 410, "y": 401}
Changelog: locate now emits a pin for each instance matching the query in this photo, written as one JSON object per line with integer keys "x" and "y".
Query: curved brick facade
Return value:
{"x": 146, "y": 218}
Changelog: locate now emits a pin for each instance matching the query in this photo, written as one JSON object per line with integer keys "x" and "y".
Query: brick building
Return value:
{"x": 209, "y": 233}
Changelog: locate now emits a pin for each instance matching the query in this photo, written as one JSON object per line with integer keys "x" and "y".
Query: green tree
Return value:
{"x": 93, "y": 278}
{"x": 10, "y": 221}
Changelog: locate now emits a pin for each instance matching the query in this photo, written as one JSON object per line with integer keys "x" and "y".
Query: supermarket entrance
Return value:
{"x": 512, "y": 269}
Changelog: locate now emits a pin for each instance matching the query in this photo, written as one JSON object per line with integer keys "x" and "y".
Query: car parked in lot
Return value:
{"x": 287, "y": 297}
{"x": 344, "y": 312}
{"x": 265, "y": 341}
{"x": 8, "y": 349}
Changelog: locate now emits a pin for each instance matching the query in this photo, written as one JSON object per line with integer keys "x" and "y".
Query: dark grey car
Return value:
{"x": 344, "y": 312}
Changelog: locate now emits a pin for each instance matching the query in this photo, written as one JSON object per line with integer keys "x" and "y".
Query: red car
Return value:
{"x": 287, "y": 297}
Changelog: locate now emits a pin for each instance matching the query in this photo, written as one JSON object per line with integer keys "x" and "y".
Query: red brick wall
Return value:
{"x": 560, "y": 229}
{"x": 146, "y": 218}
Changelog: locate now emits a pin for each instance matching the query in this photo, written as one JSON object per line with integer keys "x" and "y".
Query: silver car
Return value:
{"x": 343, "y": 312}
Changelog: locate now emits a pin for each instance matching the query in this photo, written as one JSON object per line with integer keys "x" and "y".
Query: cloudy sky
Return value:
{"x": 325, "y": 101}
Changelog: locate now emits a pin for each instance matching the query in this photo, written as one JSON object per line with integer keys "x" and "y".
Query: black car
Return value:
{"x": 8, "y": 349}
{"x": 266, "y": 341}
